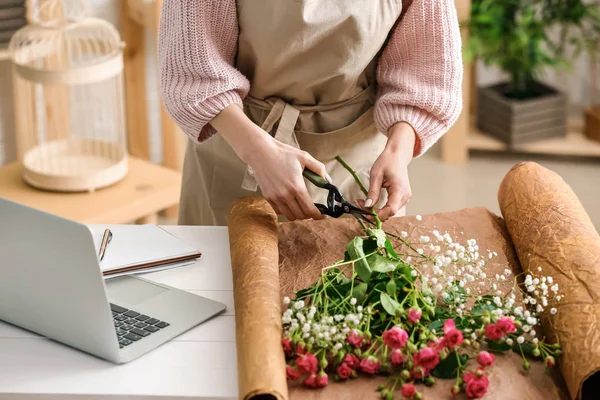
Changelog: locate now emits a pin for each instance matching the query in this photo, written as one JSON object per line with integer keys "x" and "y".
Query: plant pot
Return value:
{"x": 520, "y": 121}
{"x": 592, "y": 123}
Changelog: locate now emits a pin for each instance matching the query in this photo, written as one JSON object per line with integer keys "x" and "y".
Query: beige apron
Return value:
{"x": 311, "y": 64}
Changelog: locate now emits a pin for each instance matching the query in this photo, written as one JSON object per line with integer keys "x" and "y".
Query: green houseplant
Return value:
{"x": 514, "y": 35}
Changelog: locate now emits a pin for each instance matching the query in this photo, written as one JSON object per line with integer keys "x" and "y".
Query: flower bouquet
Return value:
{"x": 415, "y": 307}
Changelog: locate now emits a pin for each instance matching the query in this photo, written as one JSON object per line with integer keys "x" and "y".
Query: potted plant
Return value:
{"x": 513, "y": 35}
{"x": 591, "y": 43}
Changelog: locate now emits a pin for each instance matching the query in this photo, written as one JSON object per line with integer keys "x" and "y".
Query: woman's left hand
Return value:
{"x": 390, "y": 171}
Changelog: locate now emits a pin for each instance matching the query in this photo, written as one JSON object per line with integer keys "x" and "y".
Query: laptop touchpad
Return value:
{"x": 128, "y": 290}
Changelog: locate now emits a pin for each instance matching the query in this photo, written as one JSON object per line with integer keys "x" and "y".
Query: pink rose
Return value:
{"x": 292, "y": 373}
{"x": 449, "y": 325}
{"x": 300, "y": 349}
{"x": 414, "y": 314}
{"x": 395, "y": 338}
{"x": 506, "y": 325}
{"x": 311, "y": 381}
{"x": 344, "y": 371}
{"x": 485, "y": 359}
{"x": 438, "y": 345}
{"x": 396, "y": 358}
{"x": 477, "y": 388}
{"x": 493, "y": 332}
{"x": 468, "y": 376}
{"x": 354, "y": 339}
{"x": 426, "y": 358}
{"x": 409, "y": 390}
{"x": 453, "y": 338}
{"x": 322, "y": 380}
{"x": 307, "y": 363}
{"x": 286, "y": 343}
{"x": 370, "y": 365}
{"x": 352, "y": 361}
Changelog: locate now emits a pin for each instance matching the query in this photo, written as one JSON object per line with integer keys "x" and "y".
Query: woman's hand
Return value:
{"x": 390, "y": 171}
{"x": 277, "y": 167}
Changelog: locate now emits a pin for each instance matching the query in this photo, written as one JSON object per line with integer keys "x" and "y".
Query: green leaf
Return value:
{"x": 498, "y": 347}
{"x": 389, "y": 248}
{"x": 379, "y": 236}
{"x": 390, "y": 288}
{"x": 389, "y": 305}
{"x": 356, "y": 252}
{"x": 381, "y": 264}
{"x": 359, "y": 292}
{"x": 437, "y": 325}
{"x": 448, "y": 368}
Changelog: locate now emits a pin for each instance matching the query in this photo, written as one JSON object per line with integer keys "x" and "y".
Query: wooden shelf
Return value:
{"x": 574, "y": 144}
{"x": 3, "y": 51}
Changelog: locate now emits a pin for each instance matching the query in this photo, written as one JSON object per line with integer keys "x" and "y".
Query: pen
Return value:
{"x": 106, "y": 238}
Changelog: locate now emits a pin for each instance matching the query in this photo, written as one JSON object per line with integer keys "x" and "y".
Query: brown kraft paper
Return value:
{"x": 550, "y": 229}
{"x": 305, "y": 247}
{"x": 254, "y": 262}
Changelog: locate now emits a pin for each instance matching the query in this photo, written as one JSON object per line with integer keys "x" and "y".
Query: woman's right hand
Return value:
{"x": 277, "y": 167}
{"x": 278, "y": 171}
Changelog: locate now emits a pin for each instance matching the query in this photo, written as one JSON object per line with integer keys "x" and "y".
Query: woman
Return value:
{"x": 291, "y": 84}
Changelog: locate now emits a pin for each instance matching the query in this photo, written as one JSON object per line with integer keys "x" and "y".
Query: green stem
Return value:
{"x": 362, "y": 187}
{"x": 353, "y": 173}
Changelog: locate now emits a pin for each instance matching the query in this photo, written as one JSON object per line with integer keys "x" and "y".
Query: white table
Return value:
{"x": 201, "y": 363}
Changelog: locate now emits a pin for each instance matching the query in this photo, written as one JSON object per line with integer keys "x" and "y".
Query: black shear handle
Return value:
{"x": 315, "y": 179}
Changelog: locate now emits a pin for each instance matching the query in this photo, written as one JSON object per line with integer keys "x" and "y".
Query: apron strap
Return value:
{"x": 287, "y": 115}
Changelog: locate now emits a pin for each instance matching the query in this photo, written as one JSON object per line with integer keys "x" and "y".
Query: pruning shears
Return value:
{"x": 337, "y": 205}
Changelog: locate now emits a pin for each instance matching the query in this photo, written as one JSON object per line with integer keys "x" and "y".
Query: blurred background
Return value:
{"x": 530, "y": 93}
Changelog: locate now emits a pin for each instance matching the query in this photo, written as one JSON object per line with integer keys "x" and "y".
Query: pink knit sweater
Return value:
{"x": 419, "y": 74}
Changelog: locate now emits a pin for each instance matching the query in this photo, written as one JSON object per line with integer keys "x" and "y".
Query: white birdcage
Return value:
{"x": 69, "y": 106}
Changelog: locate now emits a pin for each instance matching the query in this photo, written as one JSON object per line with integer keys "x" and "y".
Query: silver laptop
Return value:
{"x": 51, "y": 284}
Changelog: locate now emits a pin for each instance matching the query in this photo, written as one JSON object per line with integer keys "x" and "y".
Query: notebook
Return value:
{"x": 141, "y": 248}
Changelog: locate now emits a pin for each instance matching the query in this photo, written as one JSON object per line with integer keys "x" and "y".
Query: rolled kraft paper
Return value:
{"x": 305, "y": 247}
{"x": 255, "y": 267}
{"x": 550, "y": 229}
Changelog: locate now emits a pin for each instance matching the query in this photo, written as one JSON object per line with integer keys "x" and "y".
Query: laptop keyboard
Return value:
{"x": 132, "y": 326}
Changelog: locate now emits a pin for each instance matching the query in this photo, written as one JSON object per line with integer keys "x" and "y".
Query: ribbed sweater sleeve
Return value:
{"x": 420, "y": 72}
{"x": 197, "y": 44}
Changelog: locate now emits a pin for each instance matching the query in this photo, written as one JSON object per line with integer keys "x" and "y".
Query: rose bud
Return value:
{"x": 405, "y": 374}
{"x": 380, "y": 387}
{"x": 550, "y": 361}
{"x": 536, "y": 352}
{"x": 418, "y": 396}
{"x": 455, "y": 390}
{"x": 526, "y": 365}
{"x": 429, "y": 381}
{"x": 409, "y": 391}
{"x": 475, "y": 345}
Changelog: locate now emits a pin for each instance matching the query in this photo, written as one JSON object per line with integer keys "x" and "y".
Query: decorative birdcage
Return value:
{"x": 69, "y": 105}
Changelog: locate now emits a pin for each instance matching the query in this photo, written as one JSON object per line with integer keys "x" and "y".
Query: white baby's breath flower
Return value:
{"x": 418, "y": 218}
{"x": 424, "y": 239}
{"x": 306, "y": 327}
{"x": 353, "y": 301}
{"x": 408, "y": 259}
{"x": 520, "y": 339}
{"x": 338, "y": 346}
{"x": 403, "y": 234}
{"x": 420, "y": 251}
{"x": 553, "y": 311}
{"x": 359, "y": 309}
{"x": 507, "y": 272}
{"x": 539, "y": 308}
{"x": 509, "y": 342}
{"x": 532, "y": 332}
{"x": 526, "y": 328}
{"x": 535, "y": 340}
{"x": 338, "y": 317}
{"x": 413, "y": 273}
{"x": 299, "y": 304}
{"x": 286, "y": 300}
{"x": 531, "y": 321}
{"x": 554, "y": 288}
{"x": 549, "y": 279}
{"x": 437, "y": 288}
{"x": 333, "y": 330}
{"x": 306, "y": 335}
{"x": 539, "y": 269}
